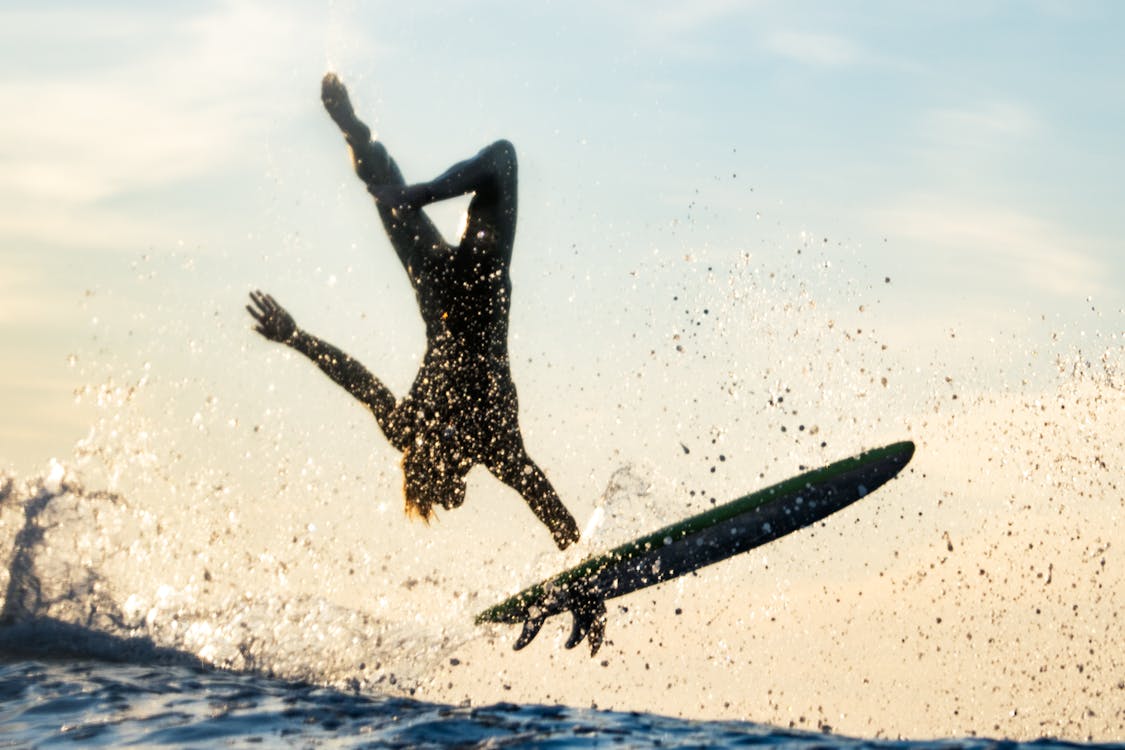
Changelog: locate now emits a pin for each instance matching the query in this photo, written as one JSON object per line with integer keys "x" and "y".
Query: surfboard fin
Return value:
{"x": 531, "y": 628}
{"x": 597, "y": 633}
{"x": 589, "y": 623}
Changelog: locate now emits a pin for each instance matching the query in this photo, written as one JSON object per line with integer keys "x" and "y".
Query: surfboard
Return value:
{"x": 698, "y": 541}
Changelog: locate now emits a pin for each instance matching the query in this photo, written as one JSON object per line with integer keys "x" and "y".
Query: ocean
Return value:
{"x": 68, "y": 702}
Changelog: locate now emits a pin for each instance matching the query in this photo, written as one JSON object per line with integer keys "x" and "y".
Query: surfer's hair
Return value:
{"x": 429, "y": 481}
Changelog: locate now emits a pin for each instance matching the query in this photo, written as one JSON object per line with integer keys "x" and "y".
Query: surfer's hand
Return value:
{"x": 273, "y": 321}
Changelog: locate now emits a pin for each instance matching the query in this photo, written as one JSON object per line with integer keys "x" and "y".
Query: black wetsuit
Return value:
{"x": 462, "y": 409}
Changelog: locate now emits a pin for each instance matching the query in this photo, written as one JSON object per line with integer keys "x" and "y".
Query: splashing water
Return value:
{"x": 208, "y": 524}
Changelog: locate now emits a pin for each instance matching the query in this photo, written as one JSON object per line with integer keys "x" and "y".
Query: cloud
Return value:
{"x": 812, "y": 48}
{"x": 998, "y": 246}
{"x": 968, "y": 153}
{"x": 989, "y": 124}
{"x": 191, "y": 93}
{"x": 677, "y": 28}
{"x": 677, "y": 17}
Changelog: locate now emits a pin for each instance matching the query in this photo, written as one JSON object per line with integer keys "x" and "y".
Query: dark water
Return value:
{"x": 52, "y": 703}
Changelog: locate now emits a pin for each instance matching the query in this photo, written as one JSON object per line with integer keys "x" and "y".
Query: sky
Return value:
{"x": 952, "y": 172}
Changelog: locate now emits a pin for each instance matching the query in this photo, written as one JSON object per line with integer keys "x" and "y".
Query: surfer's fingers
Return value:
{"x": 265, "y": 302}
{"x": 255, "y": 314}
{"x": 263, "y": 309}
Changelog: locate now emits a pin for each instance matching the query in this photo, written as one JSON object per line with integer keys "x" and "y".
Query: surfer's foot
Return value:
{"x": 565, "y": 531}
{"x": 334, "y": 95}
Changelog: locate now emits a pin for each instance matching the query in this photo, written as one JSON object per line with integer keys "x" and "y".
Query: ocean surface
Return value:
{"x": 53, "y": 703}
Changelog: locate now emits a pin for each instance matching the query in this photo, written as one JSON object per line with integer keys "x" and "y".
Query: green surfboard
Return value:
{"x": 704, "y": 539}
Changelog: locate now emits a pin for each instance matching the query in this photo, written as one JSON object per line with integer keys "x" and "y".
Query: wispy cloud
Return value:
{"x": 690, "y": 29}
{"x": 677, "y": 17}
{"x": 989, "y": 124}
{"x": 998, "y": 246}
{"x": 87, "y": 129}
{"x": 677, "y": 28}
{"x": 814, "y": 48}
{"x": 966, "y": 153}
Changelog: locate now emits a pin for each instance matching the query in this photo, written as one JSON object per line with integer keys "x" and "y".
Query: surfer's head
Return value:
{"x": 430, "y": 481}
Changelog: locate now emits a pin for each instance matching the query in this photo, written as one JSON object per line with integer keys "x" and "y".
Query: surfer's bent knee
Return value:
{"x": 502, "y": 153}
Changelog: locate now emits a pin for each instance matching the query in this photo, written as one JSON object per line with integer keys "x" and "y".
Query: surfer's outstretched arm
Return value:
{"x": 516, "y": 469}
{"x": 276, "y": 324}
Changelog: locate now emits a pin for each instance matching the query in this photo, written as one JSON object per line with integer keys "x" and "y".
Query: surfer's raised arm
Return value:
{"x": 276, "y": 324}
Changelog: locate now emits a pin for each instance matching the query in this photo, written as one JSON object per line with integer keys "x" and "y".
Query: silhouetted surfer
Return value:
{"x": 462, "y": 409}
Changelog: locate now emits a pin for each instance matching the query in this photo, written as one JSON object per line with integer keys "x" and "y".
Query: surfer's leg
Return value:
{"x": 492, "y": 211}
{"x": 410, "y": 230}
{"x": 490, "y": 177}
{"x": 516, "y": 469}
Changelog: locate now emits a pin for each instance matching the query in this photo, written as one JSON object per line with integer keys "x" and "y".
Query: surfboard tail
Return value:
{"x": 704, "y": 539}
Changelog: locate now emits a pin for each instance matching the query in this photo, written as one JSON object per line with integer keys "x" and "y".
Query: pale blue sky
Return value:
{"x": 157, "y": 162}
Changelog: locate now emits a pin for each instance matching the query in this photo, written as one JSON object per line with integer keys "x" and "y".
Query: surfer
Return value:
{"x": 462, "y": 409}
